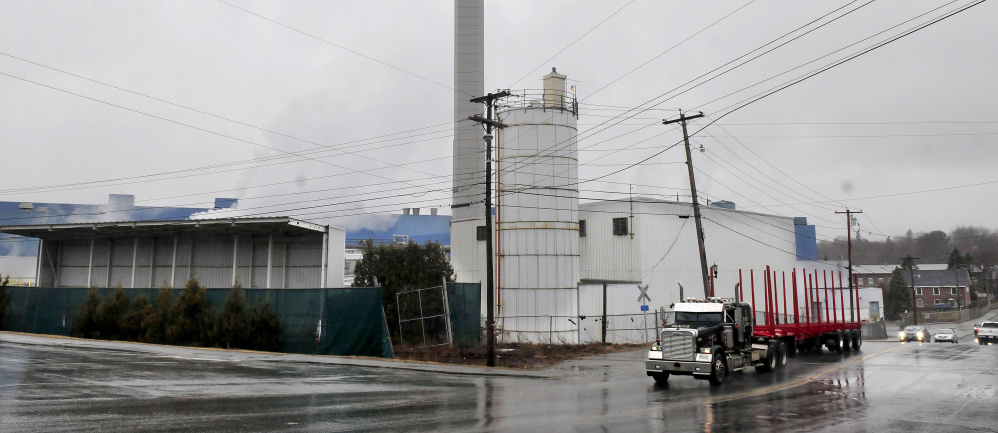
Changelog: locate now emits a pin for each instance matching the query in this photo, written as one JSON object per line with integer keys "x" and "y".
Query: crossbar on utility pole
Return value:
{"x": 852, "y": 308}
{"x": 696, "y": 204}
{"x": 490, "y": 326}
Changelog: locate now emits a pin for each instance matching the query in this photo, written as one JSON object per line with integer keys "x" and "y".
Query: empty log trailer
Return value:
{"x": 710, "y": 338}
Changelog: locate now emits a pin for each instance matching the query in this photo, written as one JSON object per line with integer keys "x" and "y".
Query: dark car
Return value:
{"x": 914, "y": 333}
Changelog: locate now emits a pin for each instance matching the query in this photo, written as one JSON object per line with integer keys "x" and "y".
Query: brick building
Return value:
{"x": 875, "y": 275}
{"x": 940, "y": 289}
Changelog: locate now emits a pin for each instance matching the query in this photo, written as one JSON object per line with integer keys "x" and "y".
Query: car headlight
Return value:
{"x": 901, "y": 334}
{"x": 920, "y": 335}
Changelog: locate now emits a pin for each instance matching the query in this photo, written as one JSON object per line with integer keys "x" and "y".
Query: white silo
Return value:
{"x": 537, "y": 215}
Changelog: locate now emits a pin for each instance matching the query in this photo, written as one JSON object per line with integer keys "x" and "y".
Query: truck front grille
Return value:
{"x": 678, "y": 345}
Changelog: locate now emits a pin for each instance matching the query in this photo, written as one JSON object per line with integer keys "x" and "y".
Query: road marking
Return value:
{"x": 794, "y": 384}
{"x": 776, "y": 388}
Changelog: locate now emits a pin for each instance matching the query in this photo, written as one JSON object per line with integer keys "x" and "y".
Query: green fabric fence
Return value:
{"x": 465, "y": 301}
{"x": 352, "y": 320}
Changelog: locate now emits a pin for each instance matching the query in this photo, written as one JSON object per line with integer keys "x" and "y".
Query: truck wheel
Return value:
{"x": 831, "y": 343}
{"x": 717, "y": 371}
{"x": 770, "y": 362}
{"x": 660, "y": 377}
{"x": 781, "y": 355}
{"x": 857, "y": 341}
{"x": 838, "y": 342}
{"x": 846, "y": 342}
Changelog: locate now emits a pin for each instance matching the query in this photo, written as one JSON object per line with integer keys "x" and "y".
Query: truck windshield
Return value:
{"x": 698, "y": 320}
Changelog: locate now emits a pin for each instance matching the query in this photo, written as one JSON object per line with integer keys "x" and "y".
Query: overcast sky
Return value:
{"x": 321, "y": 109}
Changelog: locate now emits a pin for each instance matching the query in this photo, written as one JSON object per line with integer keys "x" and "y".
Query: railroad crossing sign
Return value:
{"x": 644, "y": 294}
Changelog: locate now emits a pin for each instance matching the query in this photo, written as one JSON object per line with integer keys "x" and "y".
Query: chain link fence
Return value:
{"x": 634, "y": 328}
{"x": 424, "y": 317}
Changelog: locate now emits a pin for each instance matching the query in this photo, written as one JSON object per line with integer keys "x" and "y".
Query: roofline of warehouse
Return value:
{"x": 640, "y": 199}
{"x": 40, "y": 230}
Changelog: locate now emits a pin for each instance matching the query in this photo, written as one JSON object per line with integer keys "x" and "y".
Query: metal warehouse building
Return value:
{"x": 280, "y": 252}
{"x": 627, "y": 243}
{"x": 654, "y": 242}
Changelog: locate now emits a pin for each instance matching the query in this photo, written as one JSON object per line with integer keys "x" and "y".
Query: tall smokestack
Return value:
{"x": 467, "y": 252}
{"x": 469, "y": 82}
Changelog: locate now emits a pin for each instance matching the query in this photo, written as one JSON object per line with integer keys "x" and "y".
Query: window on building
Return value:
{"x": 620, "y": 226}
{"x": 937, "y": 301}
{"x": 582, "y": 228}
{"x": 918, "y": 291}
{"x": 481, "y": 233}
{"x": 935, "y": 290}
{"x": 952, "y": 291}
{"x": 869, "y": 281}
{"x": 880, "y": 280}
{"x": 919, "y": 303}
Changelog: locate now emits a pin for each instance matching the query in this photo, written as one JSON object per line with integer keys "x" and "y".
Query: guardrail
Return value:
{"x": 542, "y": 99}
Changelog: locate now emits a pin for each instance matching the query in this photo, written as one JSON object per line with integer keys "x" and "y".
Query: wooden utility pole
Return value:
{"x": 696, "y": 204}
{"x": 852, "y": 308}
{"x": 490, "y": 326}
{"x": 911, "y": 275}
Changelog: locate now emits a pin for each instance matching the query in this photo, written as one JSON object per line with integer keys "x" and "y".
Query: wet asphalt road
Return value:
{"x": 887, "y": 386}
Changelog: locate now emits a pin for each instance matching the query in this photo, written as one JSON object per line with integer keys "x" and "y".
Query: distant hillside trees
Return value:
{"x": 974, "y": 248}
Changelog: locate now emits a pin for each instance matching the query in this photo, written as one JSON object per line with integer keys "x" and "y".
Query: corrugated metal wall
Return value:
{"x": 605, "y": 256}
{"x": 296, "y": 262}
{"x": 538, "y": 244}
{"x": 661, "y": 250}
{"x": 626, "y": 323}
{"x": 468, "y": 255}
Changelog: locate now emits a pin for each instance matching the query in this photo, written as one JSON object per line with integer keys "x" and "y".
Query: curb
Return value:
{"x": 238, "y": 355}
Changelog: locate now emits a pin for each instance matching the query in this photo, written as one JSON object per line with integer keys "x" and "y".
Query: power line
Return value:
{"x": 822, "y": 69}
{"x": 591, "y": 29}
{"x": 795, "y": 137}
{"x": 339, "y": 46}
{"x": 830, "y": 53}
{"x": 779, "y": 185}
{"x": 927, "y": 122}
{"x": 641, "y": 107}
{"x": 670, "y": 49}
{"x": 187, "y": 125}
{"x": 774, "y": 90}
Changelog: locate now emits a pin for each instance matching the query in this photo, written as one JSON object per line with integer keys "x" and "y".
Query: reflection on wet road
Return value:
{"x": 885, "y": 387}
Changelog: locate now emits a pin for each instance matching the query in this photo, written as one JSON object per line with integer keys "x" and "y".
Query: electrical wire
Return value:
{"x": 591, "y": 29}
{"x": 344, "y": 48}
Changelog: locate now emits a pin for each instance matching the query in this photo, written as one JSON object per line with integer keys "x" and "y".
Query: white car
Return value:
{"x": 945, "y": 335}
